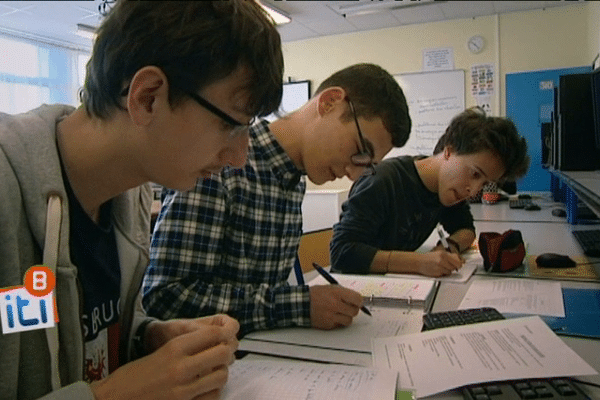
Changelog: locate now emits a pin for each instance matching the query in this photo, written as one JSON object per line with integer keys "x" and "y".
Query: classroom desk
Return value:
{"x": 450, "y": 296}
{"x": 502, "y": 212}
{"x": 541, "y": 235}
{"x": 582, "y": 185}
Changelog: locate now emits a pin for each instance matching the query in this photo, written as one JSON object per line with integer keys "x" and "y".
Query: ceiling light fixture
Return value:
{"x": 278, "y": 16}
{"x": 370, "y": 7}
{"x": 86, "y": 31}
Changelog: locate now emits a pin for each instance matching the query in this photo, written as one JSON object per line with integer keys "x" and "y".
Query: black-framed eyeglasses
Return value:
{"x": 364, "y": 157}
{"x": 237, "y": 129}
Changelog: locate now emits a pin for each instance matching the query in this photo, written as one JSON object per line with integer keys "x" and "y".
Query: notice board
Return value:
{"x": 434, "y": 98}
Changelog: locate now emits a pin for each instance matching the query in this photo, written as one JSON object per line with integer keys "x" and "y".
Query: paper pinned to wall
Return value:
{"x": 434, "y": 98}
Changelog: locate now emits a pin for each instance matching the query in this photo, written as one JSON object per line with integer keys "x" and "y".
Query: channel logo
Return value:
{"x": 31, "y": 306}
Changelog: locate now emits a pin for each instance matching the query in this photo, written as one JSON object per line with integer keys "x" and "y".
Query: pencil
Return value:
{"x": 332, "y": 280}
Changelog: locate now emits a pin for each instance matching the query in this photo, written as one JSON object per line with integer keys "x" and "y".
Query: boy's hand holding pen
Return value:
{"x": 446, "y": 245}
{"x": 332, "y": 280}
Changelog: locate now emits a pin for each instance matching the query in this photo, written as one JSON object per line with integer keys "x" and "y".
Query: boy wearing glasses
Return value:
{"x": 169, "y": 92}
{"x": 390, "y": 214}
{"x": 229, "y": 245}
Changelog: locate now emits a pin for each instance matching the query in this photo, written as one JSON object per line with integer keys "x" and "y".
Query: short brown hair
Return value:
{"x": 375, "y": 94}
{"x": 472, "y": 131}
{"x": 194, "y": 43}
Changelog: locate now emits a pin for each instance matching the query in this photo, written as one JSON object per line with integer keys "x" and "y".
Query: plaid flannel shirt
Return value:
{"x": 229, "y": 245}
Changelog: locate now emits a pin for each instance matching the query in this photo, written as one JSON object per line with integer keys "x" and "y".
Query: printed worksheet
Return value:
{"x": 435, "y": 361}
{"x": 275, "y": 380}
{"x": 516, "y": 296}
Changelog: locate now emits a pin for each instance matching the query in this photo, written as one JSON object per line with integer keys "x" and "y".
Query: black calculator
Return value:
{"x": 460, "y": 317}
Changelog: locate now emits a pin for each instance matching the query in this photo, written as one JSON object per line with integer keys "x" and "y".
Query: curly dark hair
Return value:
{"x": 472, "y": 131}
{"x": 194, "y": 43}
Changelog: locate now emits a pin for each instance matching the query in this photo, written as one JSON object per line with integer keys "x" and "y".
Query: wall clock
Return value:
{"x": 475, "y": 44}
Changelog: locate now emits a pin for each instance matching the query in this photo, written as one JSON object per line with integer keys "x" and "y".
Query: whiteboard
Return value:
{"x": 295, "y": 95}
{"x": 434, "y": 98}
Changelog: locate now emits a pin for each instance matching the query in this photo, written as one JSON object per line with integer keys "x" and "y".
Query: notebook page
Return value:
{"x": 378, "y": 286}
{"x": 275, "y": 380}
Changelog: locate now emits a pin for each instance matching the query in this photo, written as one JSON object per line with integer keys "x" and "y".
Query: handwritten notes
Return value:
{"x": 434, "y": 98}
{"x": 275, "y": 380}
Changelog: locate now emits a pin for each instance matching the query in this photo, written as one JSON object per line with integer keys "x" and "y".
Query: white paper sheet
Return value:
{"x": 442, "y": 359}
{"x": 473, "y": 260}
{"x": 516, "y": 296}
{"x": 276, "y": 380}
{"x": 385, "y": 322}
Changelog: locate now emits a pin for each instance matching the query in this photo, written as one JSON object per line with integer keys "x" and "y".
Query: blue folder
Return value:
{"x": 582, "y": 310}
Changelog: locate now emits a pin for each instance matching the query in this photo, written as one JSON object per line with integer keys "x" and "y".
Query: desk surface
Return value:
{"x": 450, "y": 296}
{"x": 502, "y": 212}
{"x": 585, "y": 184}
{"x": 545, "y": 233}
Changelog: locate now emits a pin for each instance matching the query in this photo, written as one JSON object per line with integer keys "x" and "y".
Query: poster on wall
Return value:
{"x": 441, "y": 59}
{"x": 483, "y": 86}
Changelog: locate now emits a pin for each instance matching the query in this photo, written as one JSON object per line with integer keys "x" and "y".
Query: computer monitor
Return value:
{"x": 295, "y": 94}
{"x": 595, "y": 80}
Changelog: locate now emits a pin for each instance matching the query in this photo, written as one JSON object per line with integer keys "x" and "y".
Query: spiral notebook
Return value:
{"x": 397, "y": 307}
{"x": 386, "y": 291}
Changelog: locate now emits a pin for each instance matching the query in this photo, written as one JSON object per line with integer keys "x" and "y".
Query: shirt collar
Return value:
{"x": 265, "y": 146}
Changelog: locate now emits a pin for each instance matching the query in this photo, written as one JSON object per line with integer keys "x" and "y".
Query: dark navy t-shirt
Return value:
{"x": 93, "y": 249}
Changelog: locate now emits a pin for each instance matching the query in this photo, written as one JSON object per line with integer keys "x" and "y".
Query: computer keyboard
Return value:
{"x": 589, "y": 241}
{"x": 545, "y": 388}
{"x": 460, "y": 317}
{"x": 518, "y": 203}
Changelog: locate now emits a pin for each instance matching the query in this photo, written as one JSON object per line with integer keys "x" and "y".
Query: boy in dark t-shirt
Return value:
{"x": 391, "y": 213}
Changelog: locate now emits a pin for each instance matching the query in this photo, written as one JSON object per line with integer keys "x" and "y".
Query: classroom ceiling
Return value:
{"x": 56, "y": 21}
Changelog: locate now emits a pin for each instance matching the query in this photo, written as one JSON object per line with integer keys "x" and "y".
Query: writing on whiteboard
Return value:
{"x": 434, "y": 98}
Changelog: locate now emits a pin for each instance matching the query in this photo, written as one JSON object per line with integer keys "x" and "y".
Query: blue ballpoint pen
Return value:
{"x": 332, "y": 280}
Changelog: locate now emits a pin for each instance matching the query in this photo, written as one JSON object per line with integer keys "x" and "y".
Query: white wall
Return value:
{"x": 556, "y": 37}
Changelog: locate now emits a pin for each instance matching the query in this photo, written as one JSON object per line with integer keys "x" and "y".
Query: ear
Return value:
{"x": 330, "y": 98}
{"x": 148, "y": 93}
{"x": 448, "y": 150}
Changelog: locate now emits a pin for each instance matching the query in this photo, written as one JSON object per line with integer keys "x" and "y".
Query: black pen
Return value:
{"x": 332, "y": 280}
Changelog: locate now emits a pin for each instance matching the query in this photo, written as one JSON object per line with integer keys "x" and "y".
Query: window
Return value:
{"x": 33, "y": 73}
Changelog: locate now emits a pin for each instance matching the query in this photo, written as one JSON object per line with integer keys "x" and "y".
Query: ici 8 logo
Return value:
{"x": 31, "y": 306}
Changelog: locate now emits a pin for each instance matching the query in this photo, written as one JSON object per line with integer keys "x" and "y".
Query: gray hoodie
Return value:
{"x": 50, "y": 361}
